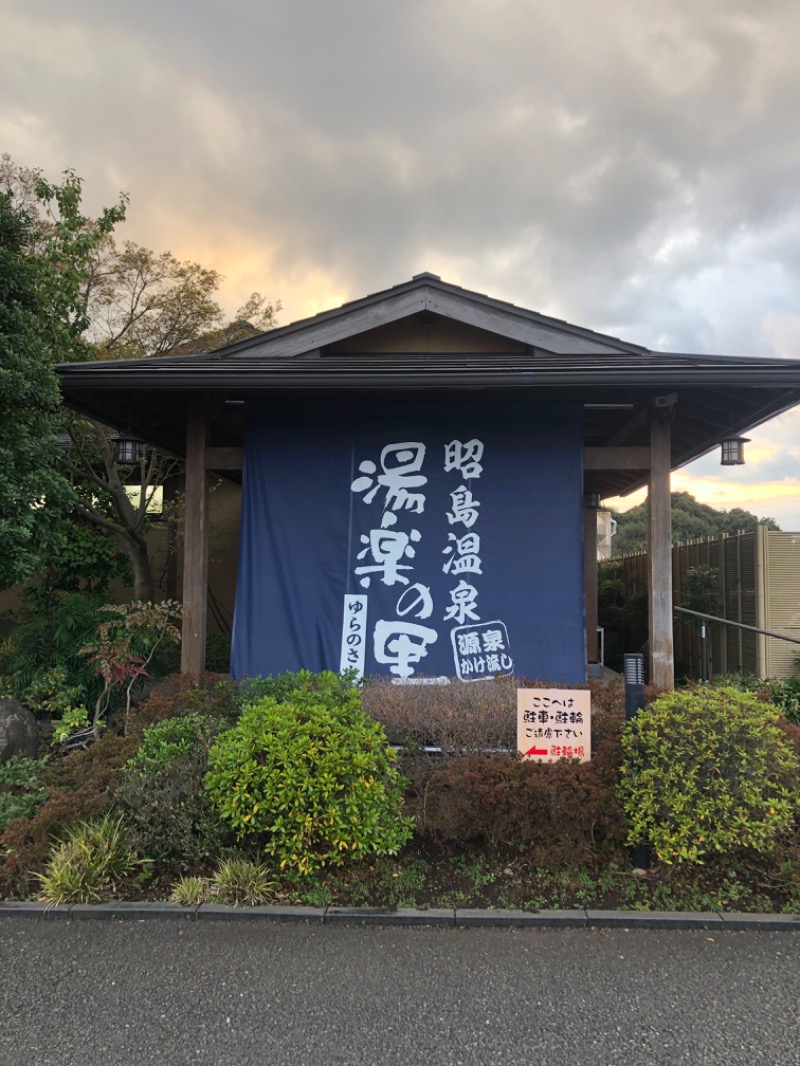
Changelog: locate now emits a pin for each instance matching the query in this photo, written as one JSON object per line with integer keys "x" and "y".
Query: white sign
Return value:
{"x": 554, "y": 723}
{"x": 354, "y": 634}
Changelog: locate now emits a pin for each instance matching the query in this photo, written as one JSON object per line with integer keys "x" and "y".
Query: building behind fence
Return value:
{"x": 755, "y": 579}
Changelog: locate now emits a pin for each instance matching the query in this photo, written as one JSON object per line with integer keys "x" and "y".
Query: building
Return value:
{"x": 420, "y": 471}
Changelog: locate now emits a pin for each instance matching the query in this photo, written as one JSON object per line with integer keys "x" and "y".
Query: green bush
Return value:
{"x": 162, "y": 792}
{"x": 290, "y": 687}
{"x": 181, "y": 694}
{"x": 708, "y": 770}
{"x": 169, "y": 813}
{"x": 312, "y": 777}
{"x": 785, "y": 694}
{"x": 166, "y": 741}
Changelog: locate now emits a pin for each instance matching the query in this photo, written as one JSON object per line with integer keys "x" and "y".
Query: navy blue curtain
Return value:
{"x": 414, "y": 543}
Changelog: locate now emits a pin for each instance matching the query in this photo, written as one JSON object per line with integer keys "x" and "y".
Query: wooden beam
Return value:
{"x": 590, "y": 580}
{"x": 659, "y": 556}
{"x": 616, "y": 458}
{"x": 195, "y": 550}
{"x": 630, "y": 427}
{"x": 224, "y": 458}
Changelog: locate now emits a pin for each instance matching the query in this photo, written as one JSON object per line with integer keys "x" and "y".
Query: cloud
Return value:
{"x": 632, "y": 168}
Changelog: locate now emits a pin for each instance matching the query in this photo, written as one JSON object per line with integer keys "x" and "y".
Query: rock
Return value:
{"x": 19, "y": 731}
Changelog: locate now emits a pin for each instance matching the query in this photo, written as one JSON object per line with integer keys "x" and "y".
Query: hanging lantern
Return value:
{"x": 592, "y": 501}
{"x": 128, "y": 451}
{"x": 733, "y": 451}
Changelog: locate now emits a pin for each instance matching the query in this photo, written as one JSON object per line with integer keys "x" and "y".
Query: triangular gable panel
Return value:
{"x": 424, "y": 297}
{"x": 425, "y": 333}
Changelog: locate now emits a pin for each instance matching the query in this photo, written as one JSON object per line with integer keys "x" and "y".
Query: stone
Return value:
{"x": 19, "y": 731}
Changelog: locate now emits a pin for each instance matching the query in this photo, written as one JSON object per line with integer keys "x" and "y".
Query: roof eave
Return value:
{"x": 75, "y": 376}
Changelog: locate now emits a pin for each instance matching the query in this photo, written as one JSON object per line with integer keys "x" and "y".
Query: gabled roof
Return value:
{"x": 456, "y": 340}
{"x": 424, "y": 294}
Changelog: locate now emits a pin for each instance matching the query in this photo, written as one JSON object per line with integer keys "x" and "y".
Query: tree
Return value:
{"x": 104, "y": 301}
{"x": 40, "y": 321}
{"x": 141, "y": 304}
{"x": 29, "y": 443}
{"x": 691, "y": 520}
{"x": 138, "y": 305}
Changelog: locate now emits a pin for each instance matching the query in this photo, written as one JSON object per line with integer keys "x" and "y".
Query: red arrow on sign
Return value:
{"x": 537, "y": 751}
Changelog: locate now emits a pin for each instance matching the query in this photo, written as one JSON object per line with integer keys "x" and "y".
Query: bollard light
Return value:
{"x": 633, "y": 673}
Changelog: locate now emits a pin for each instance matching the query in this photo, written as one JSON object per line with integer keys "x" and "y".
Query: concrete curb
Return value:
{"x": 459, "y": 918}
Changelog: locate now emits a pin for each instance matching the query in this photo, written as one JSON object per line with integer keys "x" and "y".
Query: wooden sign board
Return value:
{"x": 554, "y": 723}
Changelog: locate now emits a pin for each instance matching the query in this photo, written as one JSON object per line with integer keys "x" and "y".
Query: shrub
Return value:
{"x": 708, "y": 770}
{"x": 127, "y": 638}
{"x": 79, "y": 788}
{"x": 312, "y": 777}
{"x": 180, "y": 694}
{"x": 166, "y": 741}
{"x": 458, "y": 718}
{"x": 563, "y": 812}
{"x": 289, "y": 687}
{"x": 785, "y": 694}
{"x": 162, "y": 791}
{"x": 169, "y": 812}
{"x": 86, "y": 865}
{"x": 21, "y": 791}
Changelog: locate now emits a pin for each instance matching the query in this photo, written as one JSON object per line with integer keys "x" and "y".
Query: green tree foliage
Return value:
{"x": 43, "y": 263}
{"x": 691, "y": 520}
{"x": 29, "y": 440}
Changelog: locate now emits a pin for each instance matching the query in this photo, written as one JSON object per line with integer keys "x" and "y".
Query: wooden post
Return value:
{"x": 590, "y": 580}
{"x": 195, "y": 550}
{"x": 659, "y": 555}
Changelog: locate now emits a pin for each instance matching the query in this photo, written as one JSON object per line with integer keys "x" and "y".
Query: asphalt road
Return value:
{"x": 79, "y": 993}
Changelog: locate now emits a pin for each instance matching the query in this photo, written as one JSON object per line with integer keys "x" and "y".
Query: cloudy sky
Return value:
{"x": 631, "y": 166}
